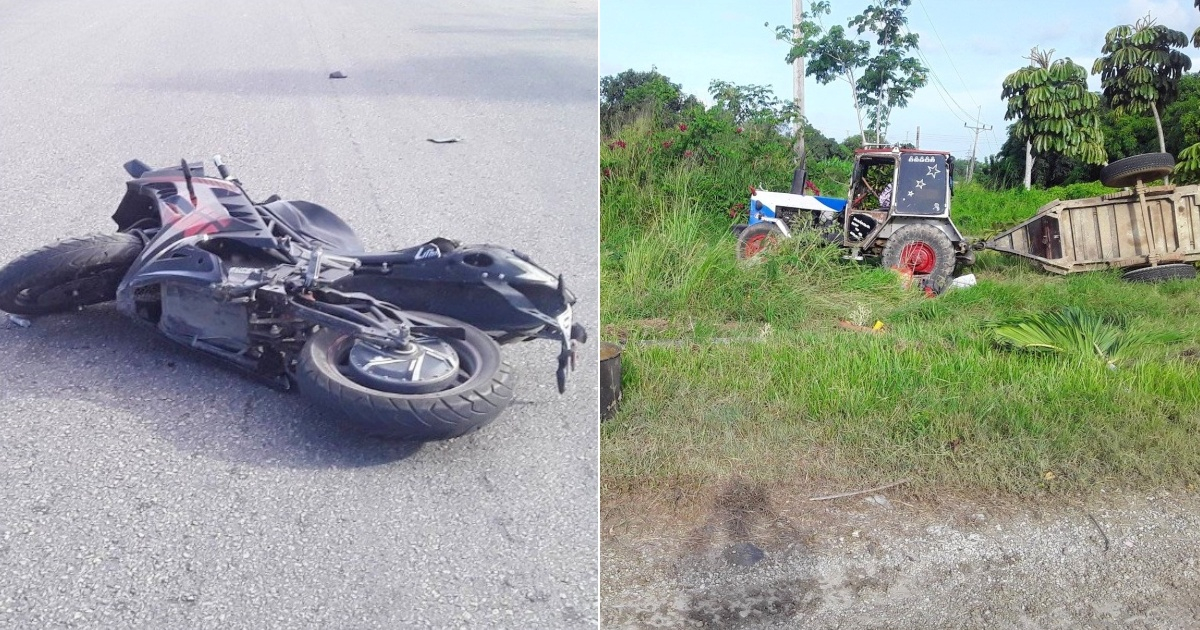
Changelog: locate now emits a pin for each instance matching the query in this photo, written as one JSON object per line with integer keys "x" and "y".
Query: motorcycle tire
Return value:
{"x": 69, "y": 274}
{"x": 481, "y": 391}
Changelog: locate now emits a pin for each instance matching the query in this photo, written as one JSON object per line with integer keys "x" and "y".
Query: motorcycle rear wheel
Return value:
{"x": 69, "y": 274}
{"x": 481, "y": 389}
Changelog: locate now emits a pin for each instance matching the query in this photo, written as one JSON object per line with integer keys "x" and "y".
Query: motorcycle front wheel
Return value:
{"x": 438, "y": 388}
{"x": 69, "y": 274}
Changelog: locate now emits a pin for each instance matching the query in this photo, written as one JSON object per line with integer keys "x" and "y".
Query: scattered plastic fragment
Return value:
{"x": 18, "y": 320}
{"x": 445, "y": 140}
{"x": 338, "y": 74}
{"x": 963, "y": 282}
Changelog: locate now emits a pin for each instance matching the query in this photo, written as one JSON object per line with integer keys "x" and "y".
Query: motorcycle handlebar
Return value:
{"x": 221, "y": 168}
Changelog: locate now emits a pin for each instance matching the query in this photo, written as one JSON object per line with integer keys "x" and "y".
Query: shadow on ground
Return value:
{"x": 193, "y": 402}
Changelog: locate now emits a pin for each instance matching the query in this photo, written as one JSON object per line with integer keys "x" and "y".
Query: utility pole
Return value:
{"x": 975, "y": 145}
{"x": 798, "y": 85}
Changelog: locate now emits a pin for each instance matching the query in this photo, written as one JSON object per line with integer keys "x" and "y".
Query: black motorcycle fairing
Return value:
{"x": 460, "y": 283}
{"x": 147, "y": 198}
{"x": 317, "y": 224}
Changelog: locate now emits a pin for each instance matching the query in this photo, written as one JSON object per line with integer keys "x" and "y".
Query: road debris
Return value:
{"x": 855, "y": 492}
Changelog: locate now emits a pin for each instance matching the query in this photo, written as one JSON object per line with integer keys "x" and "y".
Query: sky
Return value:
{"x": 969, "y": 45}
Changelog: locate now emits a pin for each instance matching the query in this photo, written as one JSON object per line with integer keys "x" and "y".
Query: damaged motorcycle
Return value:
{"x": 404, "y": 344}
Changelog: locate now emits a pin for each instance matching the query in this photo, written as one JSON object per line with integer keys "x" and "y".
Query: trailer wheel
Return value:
{"x": 1178, "y": 271}
{"x": 922, "y": 250}
{"x": 1146, "y": 167}
{"x": 756, "y": 238}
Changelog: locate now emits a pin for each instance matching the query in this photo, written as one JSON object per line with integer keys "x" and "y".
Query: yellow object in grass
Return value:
{"x": 878, "y": 325}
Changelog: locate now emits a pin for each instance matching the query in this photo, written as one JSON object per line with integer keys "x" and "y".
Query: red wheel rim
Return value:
{"x": 918, "y": 258}
{"x": 757, "y": 243}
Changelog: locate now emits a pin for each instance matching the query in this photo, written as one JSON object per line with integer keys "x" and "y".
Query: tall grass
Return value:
{"x": 741, "y": 369}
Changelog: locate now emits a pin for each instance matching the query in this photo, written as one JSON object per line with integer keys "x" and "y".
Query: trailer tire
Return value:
{"x": 1145, "y": 167}
{"x": 755, "y": 238}
{"x": 922, "y": 250}
{"x": 1160, "y": 273}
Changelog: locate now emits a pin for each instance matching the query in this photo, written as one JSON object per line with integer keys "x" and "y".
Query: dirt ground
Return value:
{"x": 753, "y": 557}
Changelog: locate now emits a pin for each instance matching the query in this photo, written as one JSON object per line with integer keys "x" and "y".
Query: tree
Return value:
{"x": 631, "y": 90}
{"x": 1181, "y": 119}
{"x": 750, "y": 104}
{"x": 888, "y": 78}
{"x": 1140, "y": 68}
{"x": 831, "y": 55}
{"x": 820, "y": 147}
{"x": 1188, "y": 168}
{"x": 1196, "y": 33}
{"x": 1053, "y": 110}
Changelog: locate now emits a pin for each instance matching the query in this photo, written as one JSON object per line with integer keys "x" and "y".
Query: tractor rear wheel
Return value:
{"x": 923, "y": 251}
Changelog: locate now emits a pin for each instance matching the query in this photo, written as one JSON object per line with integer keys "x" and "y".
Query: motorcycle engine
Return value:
{"x": 194, "y": 312}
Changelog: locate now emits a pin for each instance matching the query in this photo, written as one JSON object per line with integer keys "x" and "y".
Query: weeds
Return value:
{"x": 935, "y": 399}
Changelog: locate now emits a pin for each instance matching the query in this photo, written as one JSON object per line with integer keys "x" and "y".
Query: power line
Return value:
{"x": 941, "y": 87}
{"x": 948, "y": 56}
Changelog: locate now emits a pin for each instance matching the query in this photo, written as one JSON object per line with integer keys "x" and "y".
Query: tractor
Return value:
{"x": 897, "y": 210}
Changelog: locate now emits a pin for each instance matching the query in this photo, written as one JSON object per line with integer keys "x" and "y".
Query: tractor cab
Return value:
{"x": 890, "y": 188}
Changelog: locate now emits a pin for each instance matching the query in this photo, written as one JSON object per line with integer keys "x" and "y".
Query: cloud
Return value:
{"x": 1172, "y": 13}
{"x": 989, "y": 45}
{"x": 929, "y": 42}
{"x": 1053, "y": 31}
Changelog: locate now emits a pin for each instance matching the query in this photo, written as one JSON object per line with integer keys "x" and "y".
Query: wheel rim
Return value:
{"x": 426, "y": 365}
{"x": 757, "y": 243}
{"x": 918, "y": 258}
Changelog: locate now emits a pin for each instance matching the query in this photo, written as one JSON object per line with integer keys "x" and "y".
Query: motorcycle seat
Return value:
{"x": 435, "y": 248}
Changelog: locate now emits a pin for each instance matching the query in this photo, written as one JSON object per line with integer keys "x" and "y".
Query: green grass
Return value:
{"x": 760, "y": 382}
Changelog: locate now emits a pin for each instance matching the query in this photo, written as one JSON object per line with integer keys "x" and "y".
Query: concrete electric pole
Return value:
{"x": 975, "y": 145}
{"x": 798, "y": 85}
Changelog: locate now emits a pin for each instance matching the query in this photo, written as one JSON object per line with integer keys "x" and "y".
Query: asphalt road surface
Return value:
{"x": 143, "y": 486}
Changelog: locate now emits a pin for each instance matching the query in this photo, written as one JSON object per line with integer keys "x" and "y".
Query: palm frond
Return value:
{"x": 1075, "y": 332}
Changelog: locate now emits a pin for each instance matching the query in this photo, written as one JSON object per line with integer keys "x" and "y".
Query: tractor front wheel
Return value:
{"x": 757, "y": 238}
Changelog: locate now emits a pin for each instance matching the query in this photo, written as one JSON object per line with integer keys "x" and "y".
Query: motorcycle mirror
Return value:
{"x": 136, "y": 168}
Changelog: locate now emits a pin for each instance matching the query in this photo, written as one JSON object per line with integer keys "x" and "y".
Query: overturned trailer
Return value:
{"x": 1151, "y": 232}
